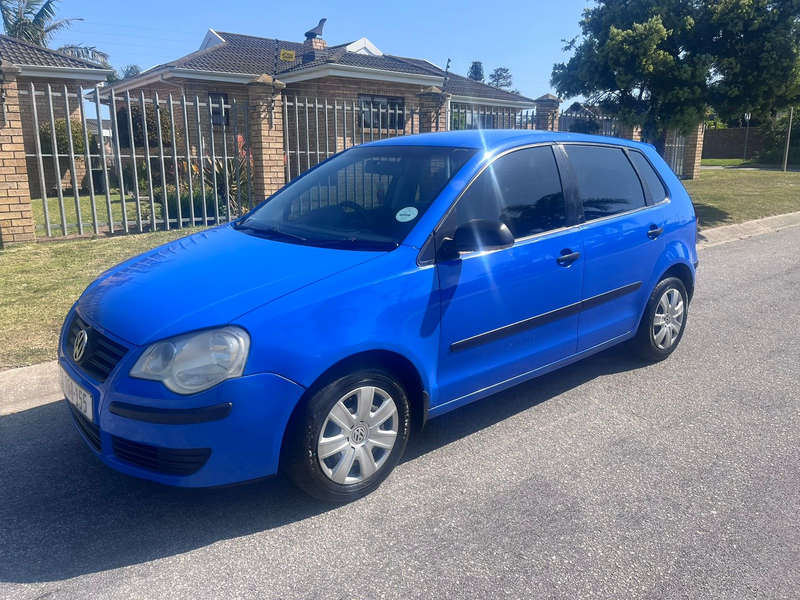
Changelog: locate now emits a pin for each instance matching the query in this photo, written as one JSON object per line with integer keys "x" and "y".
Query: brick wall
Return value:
{"x": 16, "y": 217}
{"x": 729, "y": 143}
{"x": 693, "y": 152}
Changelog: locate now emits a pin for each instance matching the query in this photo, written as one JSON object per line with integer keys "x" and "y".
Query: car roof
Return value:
{"x": 497, "y": 139}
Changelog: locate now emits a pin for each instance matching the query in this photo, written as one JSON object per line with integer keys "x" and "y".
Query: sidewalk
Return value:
{"x": 28, "y": 387}
{"x": 731, "y": 233}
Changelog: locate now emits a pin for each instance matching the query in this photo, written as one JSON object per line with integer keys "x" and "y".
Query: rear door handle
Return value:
{"x": 567, "y": 257}
{"x": 654, "y": 232}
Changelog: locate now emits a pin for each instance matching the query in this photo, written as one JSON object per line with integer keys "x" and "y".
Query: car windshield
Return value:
{"x": 368, "y": 197}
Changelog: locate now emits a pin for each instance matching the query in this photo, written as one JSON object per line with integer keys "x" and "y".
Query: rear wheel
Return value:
{"x": 349, "y": 437}
{"x": 663, "y": 322}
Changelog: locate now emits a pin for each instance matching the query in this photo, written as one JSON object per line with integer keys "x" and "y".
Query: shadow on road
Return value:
{"x": 65, "y": 514}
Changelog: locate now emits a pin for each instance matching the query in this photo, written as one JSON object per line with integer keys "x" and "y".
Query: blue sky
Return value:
{"x": 523, "y": 36}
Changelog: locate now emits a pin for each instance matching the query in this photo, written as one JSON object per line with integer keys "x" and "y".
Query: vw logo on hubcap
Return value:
{"x": 359, "y": 434}
{"x": 79, "y": 347}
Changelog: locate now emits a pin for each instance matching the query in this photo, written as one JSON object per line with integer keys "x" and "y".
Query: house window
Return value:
{"x": 219, "y": 110}
{"x": 382, "y": 112}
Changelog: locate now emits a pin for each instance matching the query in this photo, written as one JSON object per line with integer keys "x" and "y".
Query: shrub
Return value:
{"x": 773, "y": 134}
{"x": 587, "y": 125}
{"x": 138, "y": 129}
{"x": 62, "y": 143}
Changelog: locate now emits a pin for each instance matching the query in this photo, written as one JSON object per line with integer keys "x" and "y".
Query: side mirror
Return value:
{"x": 478, "y": 235}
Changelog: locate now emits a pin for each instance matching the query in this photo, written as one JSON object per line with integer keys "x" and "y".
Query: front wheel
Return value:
{"x": 349, "y": 436}
{"x": 663, "y": 322}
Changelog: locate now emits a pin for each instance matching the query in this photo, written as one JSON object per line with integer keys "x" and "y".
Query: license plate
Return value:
{"x": 77, "y": 396}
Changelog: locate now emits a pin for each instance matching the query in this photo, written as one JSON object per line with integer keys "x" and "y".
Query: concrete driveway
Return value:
{"x": 606, "y": 479}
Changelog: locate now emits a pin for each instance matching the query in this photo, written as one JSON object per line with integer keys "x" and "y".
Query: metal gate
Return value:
{"x": 317, "y": 128}
{"x": 674, "y": 149}
{"x": 142, "y": 164}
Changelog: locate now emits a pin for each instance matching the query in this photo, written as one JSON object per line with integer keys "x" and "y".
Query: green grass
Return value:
{"x": 101, "y": 204}
{"x": 721, "y": 162}
{"x": 86, "y": 212}
{"x": 731, "y": 196}
{"x": 39, "y": 283}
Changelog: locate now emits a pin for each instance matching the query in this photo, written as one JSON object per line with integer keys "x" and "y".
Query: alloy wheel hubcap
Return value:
{"x": 668, "y": 320}
{"x": 358, "y": 435}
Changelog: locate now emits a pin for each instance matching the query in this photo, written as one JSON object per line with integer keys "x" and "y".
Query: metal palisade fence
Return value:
{"x": 469, "y": 116}
{"x": 141, "y": 164}
{"x": 585, "y": 122}
{"x": 317, "y": 128}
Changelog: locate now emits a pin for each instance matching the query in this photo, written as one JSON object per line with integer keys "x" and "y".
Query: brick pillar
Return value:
{"x": 266, "y": 136}
{"x": 693, "y": 152}
{"x": 432, "y": 110}
{"x": 547, "y": 113}
{"x": 630, "y": 132}
{"x": 16, "y": 216}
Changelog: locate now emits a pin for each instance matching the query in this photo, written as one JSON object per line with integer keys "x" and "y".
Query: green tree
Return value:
{"x": 126, "y": 72}
{"x": 129, "y": 71}
{"x": 661, "y": 63}
{"x": 476, "y": 71}
{"x": 35, "y": 22}
{"x": 501, "y": 78}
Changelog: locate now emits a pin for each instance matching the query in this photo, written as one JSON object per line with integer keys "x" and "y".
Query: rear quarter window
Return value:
{"x": 607, "y": 182}
{"x": 651, "y": 178}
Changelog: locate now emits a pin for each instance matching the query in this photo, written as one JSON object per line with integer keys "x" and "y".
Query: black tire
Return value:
{"x": 300, "y": 459}
{"x": 643, "y": 345}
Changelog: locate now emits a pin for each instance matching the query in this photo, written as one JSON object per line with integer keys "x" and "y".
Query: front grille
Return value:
{"x": 89, "y": 430}
{"x": 161, "y": 460}
{"x": 102, "y": 353}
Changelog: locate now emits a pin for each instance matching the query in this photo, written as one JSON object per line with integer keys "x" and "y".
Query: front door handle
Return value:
{"x": 654, "y": 231}
{"x": 567, "y": 257}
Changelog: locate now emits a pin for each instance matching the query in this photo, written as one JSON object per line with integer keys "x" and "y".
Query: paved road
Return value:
{"x": 606, "y": 479}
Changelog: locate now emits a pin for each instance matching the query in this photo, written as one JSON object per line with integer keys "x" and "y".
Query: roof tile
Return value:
{"x": 24, "y": 54}
{"x": 246, "y": 54}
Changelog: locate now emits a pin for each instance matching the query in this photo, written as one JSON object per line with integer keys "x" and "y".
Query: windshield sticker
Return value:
{"x": 407, "y": 214}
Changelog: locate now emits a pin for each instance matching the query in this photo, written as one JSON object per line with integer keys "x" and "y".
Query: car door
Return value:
{"x": 507, "y": 312}
{"x": 621, "y": 239}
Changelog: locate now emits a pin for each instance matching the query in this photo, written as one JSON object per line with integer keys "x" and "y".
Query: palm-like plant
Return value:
{"x": 35, "y": 22}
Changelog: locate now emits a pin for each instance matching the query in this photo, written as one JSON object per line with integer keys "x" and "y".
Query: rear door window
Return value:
{"x": 607, "y": 182}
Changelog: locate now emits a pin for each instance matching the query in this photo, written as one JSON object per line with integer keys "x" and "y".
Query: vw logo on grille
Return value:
{"x": 79, "y": 347}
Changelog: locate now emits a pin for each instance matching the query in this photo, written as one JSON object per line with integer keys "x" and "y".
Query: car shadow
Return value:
{"x": 710, "y": 216}
{"x": 64, "y": 514}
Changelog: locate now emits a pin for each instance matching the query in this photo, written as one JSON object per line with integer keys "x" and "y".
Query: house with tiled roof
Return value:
{"x": 321, "y": 98}
{"x": 311, "y": 67}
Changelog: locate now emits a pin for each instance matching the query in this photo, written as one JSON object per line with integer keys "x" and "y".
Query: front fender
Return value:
{"x": 389, "y": 304}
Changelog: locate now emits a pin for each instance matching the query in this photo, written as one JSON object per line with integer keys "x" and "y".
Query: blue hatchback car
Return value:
{"x": 392, "y": 283}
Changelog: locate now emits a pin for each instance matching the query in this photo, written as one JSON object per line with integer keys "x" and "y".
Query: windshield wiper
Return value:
{"x": 269, "y": 231}
{"x": 352, "y": 242}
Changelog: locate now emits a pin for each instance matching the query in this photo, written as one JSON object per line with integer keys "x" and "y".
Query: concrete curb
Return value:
{"x": 741, "y": 231}
{"x": 28, "y": 387}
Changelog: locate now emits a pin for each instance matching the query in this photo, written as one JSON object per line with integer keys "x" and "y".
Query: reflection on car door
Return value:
{"x": 622, "y": 242}
{"x": 508, "y": 312}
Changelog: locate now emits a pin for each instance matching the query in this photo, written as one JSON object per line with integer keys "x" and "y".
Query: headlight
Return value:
{"x": 194, "y": 362}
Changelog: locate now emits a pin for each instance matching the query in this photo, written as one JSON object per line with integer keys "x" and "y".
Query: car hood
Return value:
{"x": 206, "y": 279}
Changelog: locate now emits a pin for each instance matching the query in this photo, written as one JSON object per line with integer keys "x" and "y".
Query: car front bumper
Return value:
{"x": 227, "y": 434}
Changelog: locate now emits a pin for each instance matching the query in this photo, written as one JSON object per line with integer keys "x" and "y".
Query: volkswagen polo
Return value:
{"x": 392, "y": 283}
